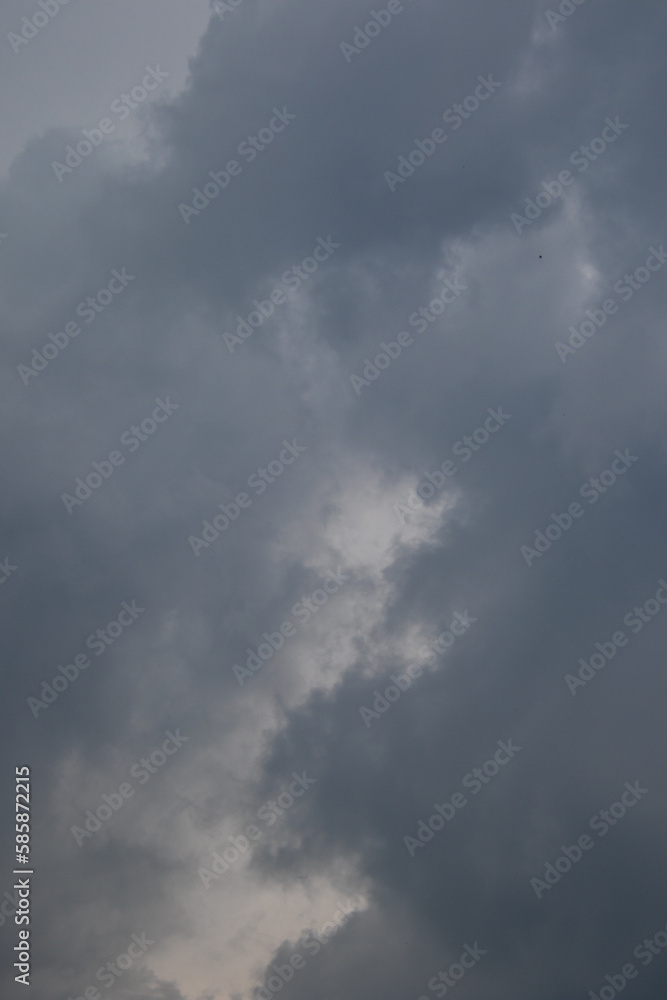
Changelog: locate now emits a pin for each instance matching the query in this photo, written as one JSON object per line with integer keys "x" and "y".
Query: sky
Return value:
{"x": 333, "y": 575}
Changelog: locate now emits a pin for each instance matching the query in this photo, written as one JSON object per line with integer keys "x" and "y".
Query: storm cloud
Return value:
{"x": 334, "y": 557}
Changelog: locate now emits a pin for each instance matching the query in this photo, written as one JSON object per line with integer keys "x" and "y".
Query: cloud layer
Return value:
{"x": 371, "y": 310}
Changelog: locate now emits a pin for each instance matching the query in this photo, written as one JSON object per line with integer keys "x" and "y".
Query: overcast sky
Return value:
{"x": 335, "y": 570}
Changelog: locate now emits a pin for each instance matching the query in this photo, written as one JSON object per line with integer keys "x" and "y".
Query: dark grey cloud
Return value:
{"x": 160, "y": 341}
